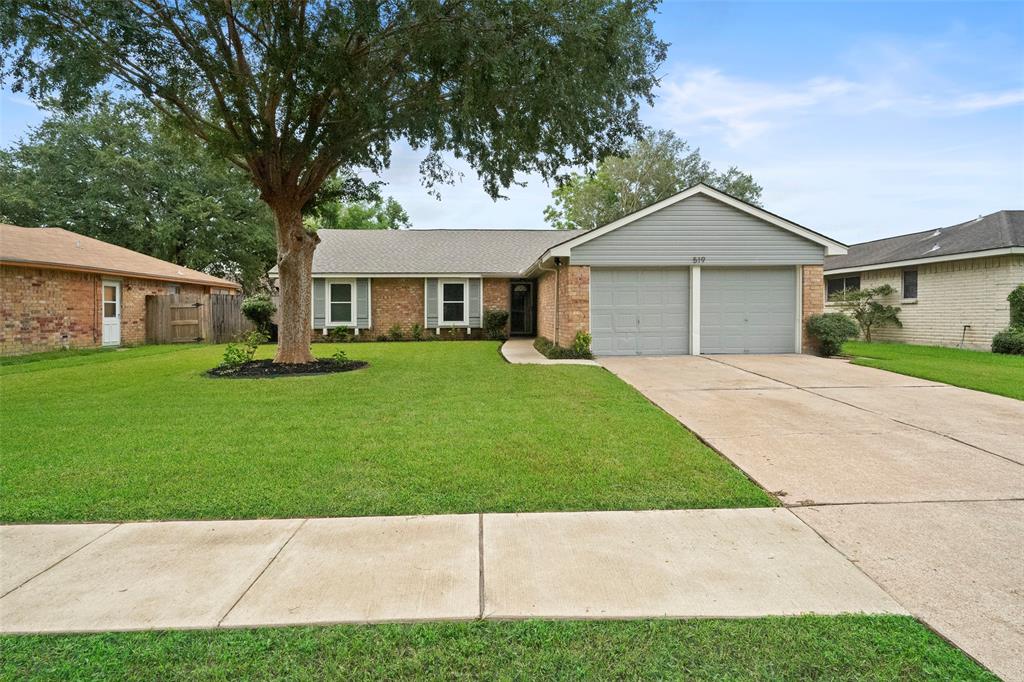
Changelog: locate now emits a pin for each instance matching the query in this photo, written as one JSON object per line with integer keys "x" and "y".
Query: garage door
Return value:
{"x": 640, "y": 312}
{"x": 747, "y": 310}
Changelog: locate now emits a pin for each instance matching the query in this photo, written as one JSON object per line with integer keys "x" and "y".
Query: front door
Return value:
{"x": 111, "y": 313}
{"x": 521, "y": 309}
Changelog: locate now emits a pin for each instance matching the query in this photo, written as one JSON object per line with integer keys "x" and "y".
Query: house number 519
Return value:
{"x": 698, "y": 259}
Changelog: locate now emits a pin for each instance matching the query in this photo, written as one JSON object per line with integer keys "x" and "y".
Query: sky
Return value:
{"x": 860, "y": 120}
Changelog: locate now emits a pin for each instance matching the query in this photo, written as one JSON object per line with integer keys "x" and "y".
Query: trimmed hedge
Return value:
{"x": 1009, "y": 341}
{"x": 831, "y": 331}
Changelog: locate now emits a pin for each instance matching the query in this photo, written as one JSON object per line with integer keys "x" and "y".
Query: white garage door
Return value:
{"x": 750, "y": 310}
{"x": 640, "y": 311}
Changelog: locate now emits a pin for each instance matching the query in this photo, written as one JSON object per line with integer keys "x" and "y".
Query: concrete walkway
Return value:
{"x": 198, "y": 574}
{"x": 919, "y": 483}
{"x": 522, "y": 352}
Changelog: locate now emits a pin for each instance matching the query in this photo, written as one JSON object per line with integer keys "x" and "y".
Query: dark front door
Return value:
{"x": 521, "y": 309}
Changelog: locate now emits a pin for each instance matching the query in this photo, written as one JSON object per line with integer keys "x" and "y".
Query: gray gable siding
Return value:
{"x": 695, "y": 228}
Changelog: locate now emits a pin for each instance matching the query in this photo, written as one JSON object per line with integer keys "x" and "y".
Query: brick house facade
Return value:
{"x": 51, "y": 289}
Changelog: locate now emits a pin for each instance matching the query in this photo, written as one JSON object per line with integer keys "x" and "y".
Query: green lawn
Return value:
{"x": 803, "y": 648}
{"x": 428, "y": 428}
{"x": 989, "y": 372}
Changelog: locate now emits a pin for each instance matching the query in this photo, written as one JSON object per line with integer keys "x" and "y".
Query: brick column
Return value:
{"x": 573, "y": 302}
{"x": 813, "y": 301}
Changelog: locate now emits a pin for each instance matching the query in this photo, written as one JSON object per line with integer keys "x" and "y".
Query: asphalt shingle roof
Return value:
{"x": 504, "y": 252}
{"x": 54, "y": 247}
{"x": 994, "y": 231}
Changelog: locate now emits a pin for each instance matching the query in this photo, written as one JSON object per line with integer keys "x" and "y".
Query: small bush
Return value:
{"x": 383, "y": 338}
{"x": 1016, "y": 299}
{"x": 831, "y": 331}
{"x": 494, "y": 324}
{"x": 340, "y": 356}
{"x": 395, "y": 333}
{"x": 260, "y": 311}
{"x": 237, "y": 354}
{"x": 1010, "y": 341}
{"x": 416, "y": 332}
{"x": 340, "y": 335}
{"x": 581, "y": 344}
{"x": 553, "y": 351}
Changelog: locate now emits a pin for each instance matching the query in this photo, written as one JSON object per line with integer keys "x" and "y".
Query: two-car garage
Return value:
{"x": 699, "y": 273}
{"x": 650, "y": 311}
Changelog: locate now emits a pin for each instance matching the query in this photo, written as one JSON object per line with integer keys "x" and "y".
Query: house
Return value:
{"x": 59, "y": 289}
{"x": 700, "y": 272}
{"x": 951, "y": 283}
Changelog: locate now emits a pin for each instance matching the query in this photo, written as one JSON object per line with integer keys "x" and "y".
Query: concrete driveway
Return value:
{"x": 919, "y": 483}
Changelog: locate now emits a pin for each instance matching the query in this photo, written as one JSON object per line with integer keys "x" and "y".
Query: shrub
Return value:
{"x": 260, "y": 311}
{"x": 494, "y": 323}
{"x": 237, "y": 354}
{"x": 1016, "y": 299}
{"x": 862, "y": 306}
{"x": 416, "y": 332}
{"x": 553, "y": 351}
{"x": 395, "y": 333}
{"x": 831, "y": 331}
{"x": 340, "y": 356}
{"x": 1010, "y": 341}
{"x": 340, "y": 335}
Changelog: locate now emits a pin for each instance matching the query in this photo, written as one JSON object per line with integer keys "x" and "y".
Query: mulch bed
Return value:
{"x": 266, "y": 369}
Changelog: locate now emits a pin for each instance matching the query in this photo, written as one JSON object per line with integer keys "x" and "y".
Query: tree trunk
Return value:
{"x": 295, "y": 246}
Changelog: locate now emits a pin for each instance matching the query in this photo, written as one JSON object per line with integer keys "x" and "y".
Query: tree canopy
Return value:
{"x": 335, "y": 207}
{"x": 114, "y": 172}
{"x": 292, "y": 91}
{"x": 654, "y": 167}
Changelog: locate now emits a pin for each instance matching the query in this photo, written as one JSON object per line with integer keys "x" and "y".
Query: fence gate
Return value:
{"x": 180, "y": 318}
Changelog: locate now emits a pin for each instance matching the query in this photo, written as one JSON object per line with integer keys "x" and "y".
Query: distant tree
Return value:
{"x": 865, "y": 308}
{"x": 653, "y": 168}
{"x": 292, "y": 91}
{"x": 331, "y": 211}
{"x": 115, "y": 173}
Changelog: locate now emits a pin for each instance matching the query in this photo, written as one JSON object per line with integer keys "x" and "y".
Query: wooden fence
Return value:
{"x": 184, "y": 318}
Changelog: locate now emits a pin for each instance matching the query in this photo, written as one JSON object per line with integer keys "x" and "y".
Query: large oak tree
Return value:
{"x": 293, "y": 90}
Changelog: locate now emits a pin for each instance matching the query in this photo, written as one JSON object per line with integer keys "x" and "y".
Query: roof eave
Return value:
{"x": 213, "y": 282}
{"x": 887, "y": 265}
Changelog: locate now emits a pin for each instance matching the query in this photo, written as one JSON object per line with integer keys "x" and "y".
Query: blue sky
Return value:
{"x": 860, "y": 120}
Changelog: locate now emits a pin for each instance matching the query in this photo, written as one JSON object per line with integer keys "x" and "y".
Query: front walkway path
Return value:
{"x": 921, "y": 484}
{"x": 522, "y": 352}
{"x": 205, "y": 574}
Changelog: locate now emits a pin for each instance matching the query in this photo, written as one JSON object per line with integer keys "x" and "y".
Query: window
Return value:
{"x": 453, "y": 302}
{"x": 910, "y": 284}
{"x": 109, "y": 300}
{"x": 339, "y": 303}
{"x": 173, "y": 289}
{"x": 837, "y": 285}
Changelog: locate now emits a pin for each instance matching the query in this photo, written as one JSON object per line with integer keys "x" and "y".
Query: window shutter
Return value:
{"x": 431, "y": 302}
{"x": 473, "y": 314}
{"x": 319, "y": 303}
{"x": 362, "y": 303}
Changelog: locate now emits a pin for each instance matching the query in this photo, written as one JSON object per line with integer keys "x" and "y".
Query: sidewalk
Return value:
{"x": 522, "y": 352}
{"x": 205, "y": 574}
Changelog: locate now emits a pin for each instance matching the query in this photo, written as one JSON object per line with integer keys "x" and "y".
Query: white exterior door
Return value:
{"x": 111, "y": 312}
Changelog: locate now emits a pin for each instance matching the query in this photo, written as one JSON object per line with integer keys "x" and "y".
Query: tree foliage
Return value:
{"x": 115, "y": 173}
{"x": 865, "y": 308}
{"x": 654, "y": 167}
{"x": 293, "y": 91}
{"x": 370, "y": 211}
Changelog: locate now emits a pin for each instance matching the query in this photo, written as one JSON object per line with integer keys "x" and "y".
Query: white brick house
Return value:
{"x": 951, "y": 283}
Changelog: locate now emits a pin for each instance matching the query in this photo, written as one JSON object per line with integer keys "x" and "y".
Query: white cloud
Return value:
{"x": 739, "y": 110}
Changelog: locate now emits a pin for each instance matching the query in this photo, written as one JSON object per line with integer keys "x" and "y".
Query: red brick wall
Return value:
{"x": 399, "y": 300}
{"x": 573, "y": 303}
{"x": 46, "y": 309}
{"x": 813, "y": 301}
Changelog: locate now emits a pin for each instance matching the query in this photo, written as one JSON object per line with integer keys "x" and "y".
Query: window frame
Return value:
{"x": 903, "y": 284}
{"x": 843, "y": 279}
{"x": 464, "y": 283}
{"x": 329, "y": 321}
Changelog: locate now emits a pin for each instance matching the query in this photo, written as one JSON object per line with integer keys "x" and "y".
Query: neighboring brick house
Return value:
{"x": 59, "y": 289}
{"x": 951, "y": 283}
{"x": 700, "y": 272}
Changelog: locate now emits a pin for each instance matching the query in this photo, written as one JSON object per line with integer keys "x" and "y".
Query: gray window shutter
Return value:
{"x": 319, "y": 292}
{"x": 473, "y": 315}
{"x": 363, "y": 303}
{"x": 431, "y": 303}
